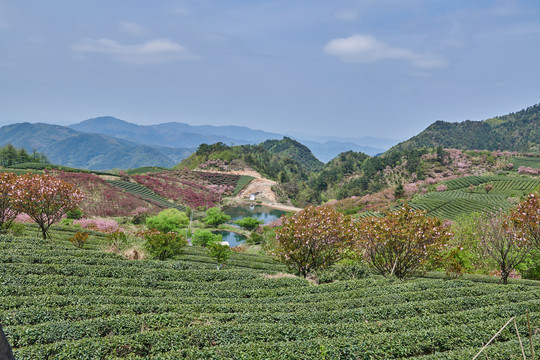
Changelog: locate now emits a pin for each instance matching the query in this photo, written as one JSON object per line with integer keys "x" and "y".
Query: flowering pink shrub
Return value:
{"x": 442, "y": 188}
{"x": 275, "y": 223}
{"x": 102, "y": 225}
{"x": 527, "y": 170}
{"x": 410, "y": 189}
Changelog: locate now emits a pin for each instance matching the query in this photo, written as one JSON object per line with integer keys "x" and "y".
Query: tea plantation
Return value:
{"x": 465, "y": 195}
{"x": 61, "y": 302}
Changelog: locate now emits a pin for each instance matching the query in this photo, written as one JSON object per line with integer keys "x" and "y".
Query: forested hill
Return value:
{"x": 518, "y": 131}
{"x": 221, "y": 156}
{"x": 294, "y": 150}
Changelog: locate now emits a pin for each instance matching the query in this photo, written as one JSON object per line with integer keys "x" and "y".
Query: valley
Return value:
{"x": 138, "y": 268}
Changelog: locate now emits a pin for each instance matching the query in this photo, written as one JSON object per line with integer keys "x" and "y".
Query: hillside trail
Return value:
{"x": 261, "y": 187}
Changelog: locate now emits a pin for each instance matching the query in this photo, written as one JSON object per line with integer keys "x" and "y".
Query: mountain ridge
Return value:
{"x": 518, "y": 131}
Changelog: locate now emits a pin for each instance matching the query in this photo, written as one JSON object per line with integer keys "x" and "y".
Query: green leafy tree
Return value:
{"x": 219, "y": 252}
{"x": 401, "y": 242}
{"x": 202, "y": 237}
{"x": 168, "y": 220}
{"x": 314, "y": 238}
{"x": 399, "y": 191}
{"x": 163, "y": 245}
{"x": 248, "y": 223}
{"x": 215, "y": 217}
{"x": 45, "y": 199}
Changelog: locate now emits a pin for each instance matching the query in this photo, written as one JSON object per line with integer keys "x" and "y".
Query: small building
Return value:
{"x": 252, "y": 197}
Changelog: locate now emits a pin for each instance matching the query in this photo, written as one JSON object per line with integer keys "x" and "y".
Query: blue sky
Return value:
{"x": 383, "y": 68}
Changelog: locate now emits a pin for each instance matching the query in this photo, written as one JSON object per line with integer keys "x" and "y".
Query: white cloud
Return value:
{"x": 132, "y": 28}
{"x": 151, "y": 52}
{"x": 367, "y": 49}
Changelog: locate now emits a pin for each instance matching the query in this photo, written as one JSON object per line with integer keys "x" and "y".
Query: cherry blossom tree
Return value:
{"x": 8, "y": 183}
{"x": 401, "y": 242}
{"x": 45, "y": 199}
{"x": 503, "y": 242}
{"x": 314, "y": 238}
{"x": 526, "y": 217}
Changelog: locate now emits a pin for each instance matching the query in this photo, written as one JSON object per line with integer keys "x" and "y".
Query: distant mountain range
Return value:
{"x": 188, "y": 136}
{"x": 106, "y": 142}
{"x": 65, "y": 146}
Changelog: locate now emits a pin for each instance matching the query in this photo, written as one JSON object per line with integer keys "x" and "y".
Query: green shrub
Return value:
{"x": 219, "y": 252}
{"x": 14, "y": 228}
{"x": 248, "y": 223}
{"x": 116, "y": 239}
{"x": 254, "y": 239}
{"x": 205, "y": 237}
{"x": 168, "y": 220}
{"x": 530, "y": 268}
{"x": 215, "y": 217}
{"x": 350, "y": 271}
{"x": 164, "y": 245}
{"x": 75, "y": 214}
{"x": 65, "y": 222}
{"x": 79, "y": 239}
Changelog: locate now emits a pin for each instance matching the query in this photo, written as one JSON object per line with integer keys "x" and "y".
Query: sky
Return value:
{"x": 351, "y": 68}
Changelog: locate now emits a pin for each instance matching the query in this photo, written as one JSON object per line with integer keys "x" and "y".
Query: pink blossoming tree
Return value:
{"x": 314, "y": 238}
{"x": 402, "y": 242}
{"x": 45, "y": 199}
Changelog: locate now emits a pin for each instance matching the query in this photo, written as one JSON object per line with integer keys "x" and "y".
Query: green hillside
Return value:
{"x": 294, "y": 150}
{"x": 61, "y": 302}
{"x": 518, "y": 131}
{"x": 281, "y": 167}
{"x": 467, "y": 195}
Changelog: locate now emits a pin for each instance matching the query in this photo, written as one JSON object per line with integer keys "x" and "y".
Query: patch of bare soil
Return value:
{"x": 260, "y": 186}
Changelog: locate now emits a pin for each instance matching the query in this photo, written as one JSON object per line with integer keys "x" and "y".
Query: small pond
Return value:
{"x": 261, "y": 212}
{"x": 233, "y": 239}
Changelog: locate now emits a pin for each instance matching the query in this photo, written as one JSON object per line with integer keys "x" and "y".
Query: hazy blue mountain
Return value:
{"x": 365, "y": 141}
{"x": 65, "y": 146}
{"x": 107, "y": 142}
{"x": 34, "y": 136}
{"x": 330, "y": 149}
{"x": 176, "y": 134}
{"x": 173, "y": 134}
{"x": 100, "y": 152}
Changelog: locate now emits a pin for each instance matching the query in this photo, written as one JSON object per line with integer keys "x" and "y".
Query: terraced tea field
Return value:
{"x": 61, "y": 302}
{"x": 459, "y": 199}
{"x": 146, "y": 193}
